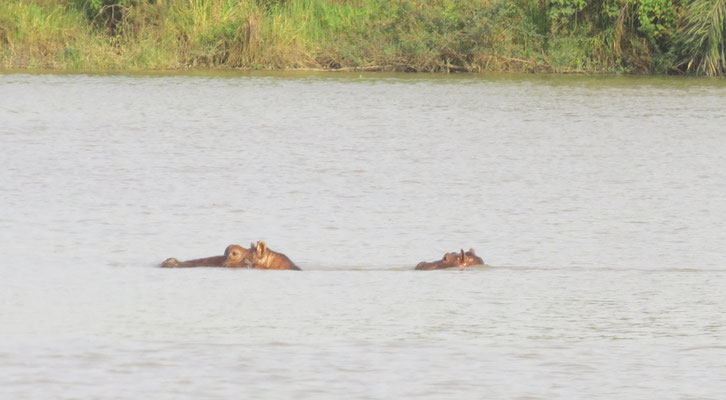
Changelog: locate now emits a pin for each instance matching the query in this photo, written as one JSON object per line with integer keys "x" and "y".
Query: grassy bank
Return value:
{"x": 640, "y": 36}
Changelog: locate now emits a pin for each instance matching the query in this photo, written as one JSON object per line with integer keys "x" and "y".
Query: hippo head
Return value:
{"x": 466, "y": 259}
{"x": 237, "y": 256}
{"x": 450, "y": 260}
{"x": 264, "y": 258}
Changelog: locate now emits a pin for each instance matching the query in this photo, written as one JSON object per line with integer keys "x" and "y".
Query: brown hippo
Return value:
{"x": 452, "y": 260}
{"x": 235, "y": 256}
{"x": 264, "y": 258}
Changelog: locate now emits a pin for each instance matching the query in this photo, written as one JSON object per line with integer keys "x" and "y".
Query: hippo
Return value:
{"x": 463, "y": 259}
{"x": 264, "y": 258}
{"x": 235, "y": 256}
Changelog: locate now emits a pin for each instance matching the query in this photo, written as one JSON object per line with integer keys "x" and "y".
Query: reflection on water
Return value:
{"x": 599, "y": 202}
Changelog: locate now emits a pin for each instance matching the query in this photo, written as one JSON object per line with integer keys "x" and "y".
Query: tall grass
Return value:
{"x": 396, "y": 35}
{"x": 42, "y": 36}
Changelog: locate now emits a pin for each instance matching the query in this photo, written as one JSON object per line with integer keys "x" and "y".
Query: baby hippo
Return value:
{"x": 235, "y": 256}
{"x": 264, "y": 258}
{"x": 453, "y": 260}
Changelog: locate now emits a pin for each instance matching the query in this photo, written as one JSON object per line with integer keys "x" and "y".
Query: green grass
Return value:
{"x": 397, "y": 35}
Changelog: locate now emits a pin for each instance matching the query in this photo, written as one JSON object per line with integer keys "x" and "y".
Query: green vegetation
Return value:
{"x": 640, "y": 36}
{"x": 702, "y": 37}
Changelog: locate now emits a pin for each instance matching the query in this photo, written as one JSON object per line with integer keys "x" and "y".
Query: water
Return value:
{"x": 598, "y": 204}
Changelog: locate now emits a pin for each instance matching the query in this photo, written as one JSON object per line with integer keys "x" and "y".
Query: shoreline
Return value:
{"x": 611, "y": 80}
{"x": 342, "y": 71}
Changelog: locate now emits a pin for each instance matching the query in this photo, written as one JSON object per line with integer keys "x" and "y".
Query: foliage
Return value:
{"x": 701, "y": 41}
{"x": 657, "y": 19}
{"x": 104, "y": 13}
{"x": 565, "y": 12}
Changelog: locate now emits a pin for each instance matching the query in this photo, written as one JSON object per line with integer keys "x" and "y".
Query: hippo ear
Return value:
{"x": 261, "y": 248}
{"x": 472, "y": 251}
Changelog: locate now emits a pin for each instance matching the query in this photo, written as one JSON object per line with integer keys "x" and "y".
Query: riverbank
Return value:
{"x": 607, "y": 36}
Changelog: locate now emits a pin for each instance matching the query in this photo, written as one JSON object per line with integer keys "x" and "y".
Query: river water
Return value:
{"x": 598, "y": 204}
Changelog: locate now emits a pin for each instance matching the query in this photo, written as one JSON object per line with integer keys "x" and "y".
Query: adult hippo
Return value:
{"x": 264, "y": 258}
{"x": 451, "y": 260}
{"x": 235, "y": 256}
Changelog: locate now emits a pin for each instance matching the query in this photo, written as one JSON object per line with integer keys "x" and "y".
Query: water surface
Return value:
{"x": 598, "y": 204}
